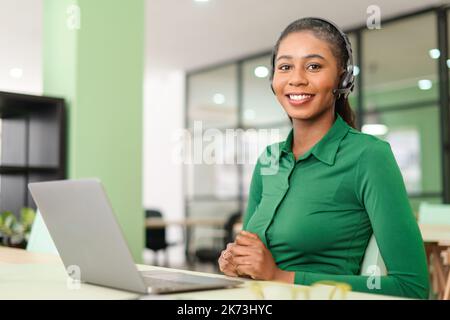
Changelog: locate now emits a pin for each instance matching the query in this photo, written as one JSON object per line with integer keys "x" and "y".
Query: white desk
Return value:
{"x": 25, "y": 275}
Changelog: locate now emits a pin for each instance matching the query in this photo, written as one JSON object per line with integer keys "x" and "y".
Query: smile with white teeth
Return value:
{"x": 299, "y": 97}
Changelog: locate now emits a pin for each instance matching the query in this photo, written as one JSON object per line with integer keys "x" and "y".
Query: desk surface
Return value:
{"x": 187, "y": 222}
{"x": 25, "y": 275}
{"x": 20, "y": 256}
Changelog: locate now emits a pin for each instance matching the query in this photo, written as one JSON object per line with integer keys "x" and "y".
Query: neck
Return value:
{"x": 308, "y": 132}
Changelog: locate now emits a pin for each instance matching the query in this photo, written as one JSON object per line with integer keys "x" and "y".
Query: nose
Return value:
{"x": 298, "y": 78}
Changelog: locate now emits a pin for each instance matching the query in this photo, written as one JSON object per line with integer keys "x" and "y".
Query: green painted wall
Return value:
{"x": 99, "y": 68}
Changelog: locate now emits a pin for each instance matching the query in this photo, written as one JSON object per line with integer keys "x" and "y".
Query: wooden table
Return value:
{"x": 25, "y": 275}
{"x": 437, "y": 242}
{"x": 20, "y": 256}
{"x": 187, "y": 222}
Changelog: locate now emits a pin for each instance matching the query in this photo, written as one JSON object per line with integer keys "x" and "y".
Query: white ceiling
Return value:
{"x": 21, "y": 45}
{"x": 183, "y": 34}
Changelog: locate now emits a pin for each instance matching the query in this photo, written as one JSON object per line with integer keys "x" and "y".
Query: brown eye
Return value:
{"x": 284, "y": 67}
{"x": 314, "y": 67}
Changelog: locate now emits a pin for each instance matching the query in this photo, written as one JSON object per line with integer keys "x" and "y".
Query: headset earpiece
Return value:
{"x": 348, "y": 77}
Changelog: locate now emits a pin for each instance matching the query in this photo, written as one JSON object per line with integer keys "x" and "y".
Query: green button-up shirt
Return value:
{"x": 317, "y": 214}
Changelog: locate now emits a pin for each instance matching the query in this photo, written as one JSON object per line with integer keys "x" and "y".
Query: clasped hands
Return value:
{"x": 248, "y": 257}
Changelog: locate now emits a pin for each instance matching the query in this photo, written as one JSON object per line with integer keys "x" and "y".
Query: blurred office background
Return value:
{"x": 209, "y": 61}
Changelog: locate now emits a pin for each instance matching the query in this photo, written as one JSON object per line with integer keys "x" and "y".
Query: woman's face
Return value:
{"x": 305, "y": 74}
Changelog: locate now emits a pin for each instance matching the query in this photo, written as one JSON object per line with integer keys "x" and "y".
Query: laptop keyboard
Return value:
{"x": 180, "y": 281}
{"x": 163, "y": 284}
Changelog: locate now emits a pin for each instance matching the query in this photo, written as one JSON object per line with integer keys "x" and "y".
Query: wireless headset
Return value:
{"x": 347, "y": 81}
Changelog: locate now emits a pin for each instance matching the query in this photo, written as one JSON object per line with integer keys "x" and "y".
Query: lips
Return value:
{"x": 299, "y": 98}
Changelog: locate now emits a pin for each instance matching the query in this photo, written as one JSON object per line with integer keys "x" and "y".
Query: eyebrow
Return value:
{"x": 308, "y": 56}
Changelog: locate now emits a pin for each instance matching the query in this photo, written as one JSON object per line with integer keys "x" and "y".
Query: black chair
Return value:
{"x": 155, "y": 238}
{"x": 212, "y": 254}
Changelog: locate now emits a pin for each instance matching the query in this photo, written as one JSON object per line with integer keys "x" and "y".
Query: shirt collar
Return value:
{"x": 325, "y": 150}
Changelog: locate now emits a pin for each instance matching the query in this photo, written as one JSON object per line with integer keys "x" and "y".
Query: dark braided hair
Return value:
{"x": 324, "y": 31}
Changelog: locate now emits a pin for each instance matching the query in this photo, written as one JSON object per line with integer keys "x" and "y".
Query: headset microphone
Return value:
{"x": 340, "y": 91}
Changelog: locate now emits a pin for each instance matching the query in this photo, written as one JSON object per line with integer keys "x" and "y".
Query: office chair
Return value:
{"x": 372, "y": 257}
{"x": 155, "y": 238}
{"x": 212, "y": 254}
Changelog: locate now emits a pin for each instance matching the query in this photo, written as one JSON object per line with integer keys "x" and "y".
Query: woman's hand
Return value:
{"x": 250, "y": 257}
{"x": 225, "y": 264}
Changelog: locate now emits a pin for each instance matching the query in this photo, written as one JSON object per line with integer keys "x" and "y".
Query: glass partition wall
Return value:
{"x": 401, "y": 99}
{"x": 399, "y": 96}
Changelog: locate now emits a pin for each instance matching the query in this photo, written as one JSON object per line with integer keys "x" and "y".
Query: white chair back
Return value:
{"x": 373, "y": 262}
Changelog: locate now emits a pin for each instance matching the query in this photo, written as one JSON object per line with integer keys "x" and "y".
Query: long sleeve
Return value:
{"x": 380, "y": 188}
{"x": 254, "y": 196}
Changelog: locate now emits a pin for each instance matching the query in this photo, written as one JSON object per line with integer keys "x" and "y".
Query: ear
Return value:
{"x": 342, "y": 75}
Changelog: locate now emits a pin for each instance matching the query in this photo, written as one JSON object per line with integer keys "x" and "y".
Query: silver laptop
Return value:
{"x": 83, "y": 227}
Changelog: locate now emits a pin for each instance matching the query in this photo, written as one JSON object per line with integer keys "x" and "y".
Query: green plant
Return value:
{"x": 16, "y": 232}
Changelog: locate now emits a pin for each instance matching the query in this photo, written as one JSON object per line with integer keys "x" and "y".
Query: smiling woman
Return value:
{"x": 310, "y": 219}
{"x": 325, "y": 59}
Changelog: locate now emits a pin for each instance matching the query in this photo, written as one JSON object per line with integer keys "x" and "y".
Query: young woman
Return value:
{"x": 333, "y": 186}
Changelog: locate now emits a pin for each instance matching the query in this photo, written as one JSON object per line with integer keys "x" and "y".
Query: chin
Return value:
{"x": 302, "y": 114}
{"x": 306, "y": 113}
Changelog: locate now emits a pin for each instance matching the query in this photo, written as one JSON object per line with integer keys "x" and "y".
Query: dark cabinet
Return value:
{"x": 32, "y": 146}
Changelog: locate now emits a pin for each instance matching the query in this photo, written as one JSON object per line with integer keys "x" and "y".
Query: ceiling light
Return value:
{"x": 425, "y": 84}
{"x": 16, "y": 73}
{"x": 356, "y": 70}
{"x": 261, "y": 72}
{"x": 219, "y": 98}
{"x": 375, "y": 129}
{"x": 434, "y": 53}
